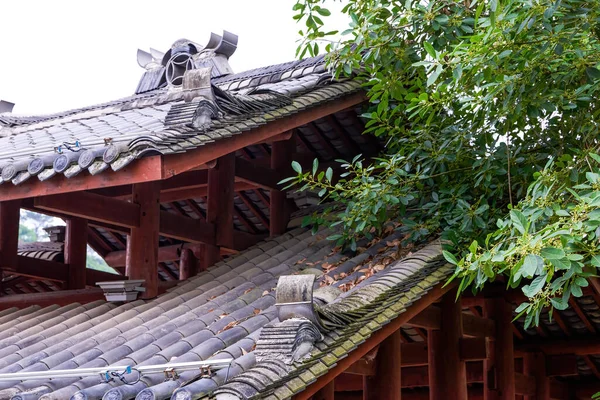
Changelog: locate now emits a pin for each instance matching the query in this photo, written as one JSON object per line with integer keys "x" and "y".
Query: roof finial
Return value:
{"x": 6, "y": 106}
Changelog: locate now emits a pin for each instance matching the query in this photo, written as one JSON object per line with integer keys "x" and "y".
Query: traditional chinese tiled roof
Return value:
{"x": 227, "y": 311}
{"x": 159, "y": 121}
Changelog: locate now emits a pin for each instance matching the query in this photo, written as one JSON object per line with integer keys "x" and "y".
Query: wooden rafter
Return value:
{"x": 263, "y": 197}
{"x": 244, "y": 220}
{"x": 305, "y": 143}
{"x": 254, "y": 209}
{"x": 575, "y": 306}
{"x": 196, "y": 209}
{"x": 98, "y": 243}
{"x": 324, "y": 141}
{"x": 163, "y": 267}
{"x": 343, "y": 134}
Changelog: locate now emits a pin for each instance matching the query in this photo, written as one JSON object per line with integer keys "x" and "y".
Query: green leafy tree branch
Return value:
{"x": 473, "y": 99}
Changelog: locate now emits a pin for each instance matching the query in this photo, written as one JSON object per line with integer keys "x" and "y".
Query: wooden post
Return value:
{"x": 281, "y": 153}
{"x": 76, "y": 252}
{"x": 9, "y": 234}
{"x": 387, "y": 381}
{"x": 500, "y": 371}
{"x": 326, "y": 393}
{"x": 447, "y": 371}
{"x": 534, "y": 364}
{"x": 142, "y": 244}
{"x": 188, "y": 264}
{"x": 220, "y": 207}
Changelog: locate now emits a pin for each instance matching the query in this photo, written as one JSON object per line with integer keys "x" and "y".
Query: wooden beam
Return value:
{"x": 504, "y": 360}
{"x": 188, "y": 265}
{"x": 75, "y": 251}
{"x": 473, "y": 325}
{"x": 142, "y": 244}
{"x": 280, "y": 161}
{"x": 142, "y": 170}
{"x": 561, "y": 365}
{"x": 187, "y": 229}
{"x": 94, "y": 207}
{"x": 447, "y": 372}
{"x": 553, "y": 347}
{"x": 387, "y": 382}
{"x": 196, "y": 193}
{"x": 178, "y": 163}
{"x": 93, "y": 276}
{"x": 258, "y": 175}
{"x": 375, "y": 339}
{"x": 42, "y": 269}
{"x": 61, "y": 298}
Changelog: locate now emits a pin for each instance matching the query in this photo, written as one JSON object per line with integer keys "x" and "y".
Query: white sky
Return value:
{"x": 58, "y": 55}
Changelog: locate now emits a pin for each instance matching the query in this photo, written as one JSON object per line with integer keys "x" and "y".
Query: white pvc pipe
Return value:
{"x": 144, "y": 369}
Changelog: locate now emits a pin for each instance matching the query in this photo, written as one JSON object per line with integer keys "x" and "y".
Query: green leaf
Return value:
{"x": 429, "y": 49}
{"x": 559, "y": 304}
{"x": 329, "y": 174}
{"x": 530, "y": 265}
{"x": 593, "y": 73}
{"x": 535, "y": 286}
{"x": 552, "y": 253}
{"x": 324, "y": 12}
{"x": 450, "y": 257}
{"x": 434, "y": 75}
{"x": 315, "y": 166}
{"x": 296, "y": 167}
{"x": 519, "y": 221}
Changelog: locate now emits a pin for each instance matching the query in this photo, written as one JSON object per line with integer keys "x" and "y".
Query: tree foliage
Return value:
{"x": 490, "y": 114}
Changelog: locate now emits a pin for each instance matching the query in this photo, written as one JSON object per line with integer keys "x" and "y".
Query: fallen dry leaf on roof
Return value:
{"x": 256, "y": 311}
{"x": 229, "y": 326}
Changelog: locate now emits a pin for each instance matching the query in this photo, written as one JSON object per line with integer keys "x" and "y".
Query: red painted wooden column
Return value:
{"x": 76, "y": 252}
{"x": 9, "y": 234}
{"x": 387, "y": 381}
{"x": 534, "y": 364}
{"x": 281, "y": 159}
{"x": 447, "y": 371}
{"x": 142, "y": 244}
{"x": 500, "y": 382}
{"x": 188, "y": 264}
{"x": 219, "y": 211}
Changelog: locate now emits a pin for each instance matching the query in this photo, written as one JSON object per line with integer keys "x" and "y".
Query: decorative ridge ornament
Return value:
{"x": 184, "y": 55}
